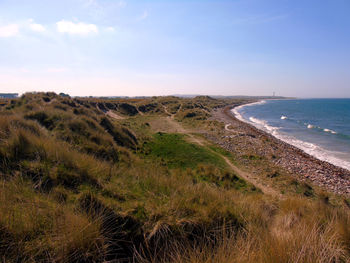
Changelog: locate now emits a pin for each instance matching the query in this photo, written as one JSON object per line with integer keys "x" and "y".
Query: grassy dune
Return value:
{"x": 79, "y": 185}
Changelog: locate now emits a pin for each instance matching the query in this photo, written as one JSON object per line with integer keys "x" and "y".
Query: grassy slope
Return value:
{"x": 177, "y": 153}
{"x": 80, "y": 186}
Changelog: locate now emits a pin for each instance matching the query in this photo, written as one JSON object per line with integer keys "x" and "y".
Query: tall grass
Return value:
{"x": 22, "y": 150}
{"x": 68, "y": 193}
{"x": 303, "y": 232}
{"x": 33, "y": 228}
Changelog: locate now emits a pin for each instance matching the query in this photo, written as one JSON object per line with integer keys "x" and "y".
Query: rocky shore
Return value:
{"x": 240, "y": 137}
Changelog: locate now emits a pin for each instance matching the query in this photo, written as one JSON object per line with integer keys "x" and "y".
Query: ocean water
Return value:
{"x": 320, "y": 127}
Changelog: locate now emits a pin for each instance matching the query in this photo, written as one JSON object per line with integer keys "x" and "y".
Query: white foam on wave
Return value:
{"x": 236, "y": 109}
{"x": 263, "y": 125}
{"x": 310, "y": 148}
{"x": 330, "y": 131}
{"x": 310, "y": 126}
{"x": 316, "y": 151}
{"x": 283, "y": 117}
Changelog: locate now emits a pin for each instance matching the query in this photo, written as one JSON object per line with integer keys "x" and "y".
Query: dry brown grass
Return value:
{"x": 33, "y": 228}
{"x": 298, "y": 231}
{"x": 165, "y": 215}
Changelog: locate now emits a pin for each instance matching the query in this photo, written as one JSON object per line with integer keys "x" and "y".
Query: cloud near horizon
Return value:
{"x": 37, "y": 27}
{"x": 14, "y": 29}
{"x": 62, "y": 26}
{"x": 78, "y": 28}
{"x": 10, "y": 30}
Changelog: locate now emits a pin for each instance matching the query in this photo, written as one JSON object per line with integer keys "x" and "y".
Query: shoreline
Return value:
{"x": 289, "y": 157}
{"x": 321, "y": 154}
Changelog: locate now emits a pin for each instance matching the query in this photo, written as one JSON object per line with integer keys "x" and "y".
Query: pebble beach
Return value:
{"x": 240, "y": 136}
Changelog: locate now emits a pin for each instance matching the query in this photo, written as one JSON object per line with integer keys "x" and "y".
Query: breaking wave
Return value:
{"x": 310, "y": 126}
{"x": 310, "y": 148}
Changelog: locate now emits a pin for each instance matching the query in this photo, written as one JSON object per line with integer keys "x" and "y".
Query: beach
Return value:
{"x": 241, "y": 137}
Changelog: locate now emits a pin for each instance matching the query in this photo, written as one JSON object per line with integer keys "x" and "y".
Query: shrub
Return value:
{"x": 121, "y": 135}
{"x": 44, "y": 119}
{"x": 127, "y": 109}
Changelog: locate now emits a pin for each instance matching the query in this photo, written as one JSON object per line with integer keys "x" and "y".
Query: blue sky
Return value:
{"x": 153, "y": 47}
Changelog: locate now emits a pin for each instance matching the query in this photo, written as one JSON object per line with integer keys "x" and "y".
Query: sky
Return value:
{"x": 298, "y": 48}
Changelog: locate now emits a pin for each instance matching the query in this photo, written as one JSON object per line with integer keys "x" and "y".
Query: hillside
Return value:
{"x": 145, "y": 180}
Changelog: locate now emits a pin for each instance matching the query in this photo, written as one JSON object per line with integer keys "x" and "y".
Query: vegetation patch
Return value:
{"x": 219, "y": 177}
{"x": 127, "y": 109}
{"x": 71, "y": 190}
{"x": 175, "y": 152}
{"x": 44, "y": 119}
{"x": 121, "y": 135}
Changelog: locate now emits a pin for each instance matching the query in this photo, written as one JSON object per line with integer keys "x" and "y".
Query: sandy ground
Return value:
{"x": 114, "y": 115}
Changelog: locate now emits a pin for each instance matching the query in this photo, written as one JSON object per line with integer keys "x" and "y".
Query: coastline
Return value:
{"x": 309, "y": 148}
{"x": 282, "y": 154}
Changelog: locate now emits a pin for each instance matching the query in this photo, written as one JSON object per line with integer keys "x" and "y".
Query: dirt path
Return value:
{"x": 169, "y": 124}
{"x": 227, "y": 128}
{"x": 114, "y": 115}
{"x": 177, "y": 127}
{"x": 167, "y": 112}
{"x": 250, "y": 178}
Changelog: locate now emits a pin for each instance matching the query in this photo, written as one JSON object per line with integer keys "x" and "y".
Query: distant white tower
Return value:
{"x": 273, "y": 94}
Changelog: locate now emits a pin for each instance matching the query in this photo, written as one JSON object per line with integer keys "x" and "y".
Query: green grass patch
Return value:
{"x": 252, "y": 157}
{"x": 221, "y": 151}
{"x": 175, "y": 152}
{"x": 221, "y": 178}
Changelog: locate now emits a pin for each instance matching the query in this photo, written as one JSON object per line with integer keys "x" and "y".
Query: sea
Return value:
{"x": 319, "y": 127}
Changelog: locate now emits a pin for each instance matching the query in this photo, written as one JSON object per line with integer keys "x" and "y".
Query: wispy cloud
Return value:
{"x": 14, "y": 29}
{"x": 95, "y": 3}
{"x": 259, "y": 19}
{"x": 35, "y": 26}
{"x": 121, "y": 3}
{"x": 29, "y": 26}
{"x": 100, "y": 9}
{"x": 88, "y": 3}
{"x": 78, "y": 28}
{"x": 110, "y": 29}
{"x": 10, "y": 30}
{"x": 144, "y": 15}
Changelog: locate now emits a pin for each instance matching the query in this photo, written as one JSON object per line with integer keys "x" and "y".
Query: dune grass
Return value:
{"x": 78, "y": 186}
{"x": 294, "y": 231}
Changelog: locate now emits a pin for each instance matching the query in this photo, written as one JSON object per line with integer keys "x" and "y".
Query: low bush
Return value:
{"x": 121, "y": 135}
{"x": 49, "y": 122}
